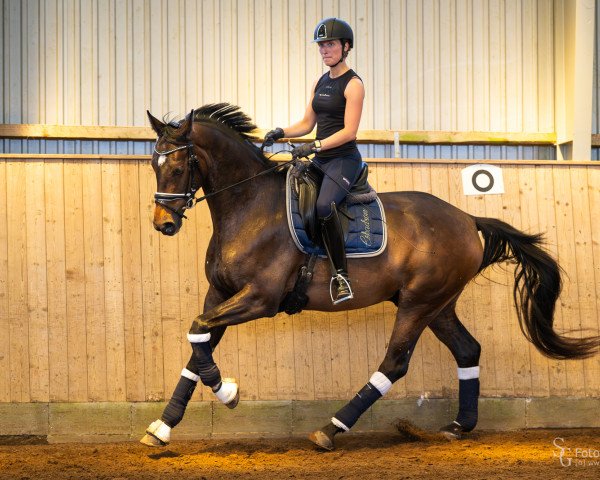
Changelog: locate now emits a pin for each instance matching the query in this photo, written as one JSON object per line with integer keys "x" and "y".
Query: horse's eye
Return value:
{"x": 178, "y": 171}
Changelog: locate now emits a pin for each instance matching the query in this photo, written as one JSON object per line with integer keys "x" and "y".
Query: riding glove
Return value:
{"x": 304, "y": 150}
{"x": 273, "y": 135}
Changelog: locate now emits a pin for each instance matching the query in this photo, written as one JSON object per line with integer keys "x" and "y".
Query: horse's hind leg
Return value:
{"x": 407, "y": 329}
{"x": 466, "y": 350}
{"x": 158, "y": 433}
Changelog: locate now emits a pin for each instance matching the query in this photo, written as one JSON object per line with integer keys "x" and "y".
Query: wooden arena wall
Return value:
{"x": 95, "y": 304}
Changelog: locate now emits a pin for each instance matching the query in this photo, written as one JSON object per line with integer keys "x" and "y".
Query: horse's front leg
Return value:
{"x": 246, "y": 305}
{"x": 159, "y": 432}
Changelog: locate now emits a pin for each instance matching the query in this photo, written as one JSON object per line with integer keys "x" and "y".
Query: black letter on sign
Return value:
{"x": 487, "y": 174}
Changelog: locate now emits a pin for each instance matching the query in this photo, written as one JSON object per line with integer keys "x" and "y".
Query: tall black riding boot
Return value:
{"x": 333, "y": 240}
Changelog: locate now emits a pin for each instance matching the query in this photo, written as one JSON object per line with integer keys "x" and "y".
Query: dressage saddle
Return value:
{"x": 306, "y": 189}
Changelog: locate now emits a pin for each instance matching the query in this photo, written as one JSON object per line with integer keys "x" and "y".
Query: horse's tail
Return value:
{"x": 537, "y": 287}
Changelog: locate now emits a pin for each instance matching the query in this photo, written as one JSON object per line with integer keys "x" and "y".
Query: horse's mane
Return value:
{"x": 229, "y": 119}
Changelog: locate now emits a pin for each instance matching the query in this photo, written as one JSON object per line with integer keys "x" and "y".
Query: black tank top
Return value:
{"x": 329, "y": 104}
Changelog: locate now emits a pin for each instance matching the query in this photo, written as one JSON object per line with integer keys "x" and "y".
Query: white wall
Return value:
{"x": 427, "y": 65}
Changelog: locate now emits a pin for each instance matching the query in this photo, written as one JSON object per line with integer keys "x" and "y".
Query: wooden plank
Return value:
{"x": 341, "y": 356}
{"x": 593, "y": 386}
{"x": 566, "y": 254}
{"x": 303, "y": 357}
{"x": 113, "y": 281}
{"x": 37, "y": 288}
{"x": 266, "y": 358}
{"x": 17, "y": 280}
{"x": 284, "y": 356}
{"x": 133, "y": 326}
{"x": 94, "y": 280}
{"x": 5, "y": 288}
{"x": 75, "y": 283}
{"x": 584, "y": 264}
{"x": 170, "y": 311}
{"x": 151, "y": 304}
{"x": 321, "y": 352}
{"x": 57, "y": 285}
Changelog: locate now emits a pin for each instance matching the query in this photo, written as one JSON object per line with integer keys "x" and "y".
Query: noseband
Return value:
{"x": 164, "y": 198}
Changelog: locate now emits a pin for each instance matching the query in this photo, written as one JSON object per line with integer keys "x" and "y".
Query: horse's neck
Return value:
{"x": 251, "y": 205}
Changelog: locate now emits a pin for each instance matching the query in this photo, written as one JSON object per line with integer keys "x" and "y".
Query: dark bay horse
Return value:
{"x": 433, "y": 251}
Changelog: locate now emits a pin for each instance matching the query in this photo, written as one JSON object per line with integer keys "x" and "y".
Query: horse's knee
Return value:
{"x": 467, "y": 354}
{"x": 395, "y": 368}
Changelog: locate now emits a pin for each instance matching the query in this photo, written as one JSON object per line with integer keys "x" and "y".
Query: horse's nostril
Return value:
{"x": 168, "y": 228}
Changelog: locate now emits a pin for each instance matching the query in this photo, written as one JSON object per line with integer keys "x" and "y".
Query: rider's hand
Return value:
{"x": 304, "y": 150}
{"x": 273, "y": 135}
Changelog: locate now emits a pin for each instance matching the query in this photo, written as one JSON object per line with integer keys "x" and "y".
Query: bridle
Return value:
{"x": 164, "y": 198}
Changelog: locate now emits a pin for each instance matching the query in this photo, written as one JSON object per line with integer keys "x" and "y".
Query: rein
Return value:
{"x": 164, "y": 198}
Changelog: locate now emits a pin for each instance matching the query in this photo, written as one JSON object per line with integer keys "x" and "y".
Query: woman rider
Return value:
{"x": 335, "y": 107}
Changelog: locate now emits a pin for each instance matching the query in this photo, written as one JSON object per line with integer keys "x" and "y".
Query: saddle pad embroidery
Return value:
{"x": 367, "y": 232}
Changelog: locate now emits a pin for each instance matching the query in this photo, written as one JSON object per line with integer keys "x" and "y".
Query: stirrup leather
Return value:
{"x": 340, "y": 280}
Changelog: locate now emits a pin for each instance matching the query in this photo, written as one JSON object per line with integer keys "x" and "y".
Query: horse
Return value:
{"x": 433, "y": 251}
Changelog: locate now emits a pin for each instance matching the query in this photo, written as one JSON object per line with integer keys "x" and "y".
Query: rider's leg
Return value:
{"x": 338, "y": 176}
{"x": 333, "y": 240}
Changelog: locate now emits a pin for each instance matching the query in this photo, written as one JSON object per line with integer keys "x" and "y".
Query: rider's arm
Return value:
{"x": 305, "y": 125}
{"x": 355, "y": 94}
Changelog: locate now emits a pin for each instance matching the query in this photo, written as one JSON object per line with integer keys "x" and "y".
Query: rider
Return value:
{"x": 335, "y": 107}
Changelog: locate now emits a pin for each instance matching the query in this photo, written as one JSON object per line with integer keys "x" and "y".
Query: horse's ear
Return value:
{"x": 157, "y": 125}
{"x": 186, "y": 127}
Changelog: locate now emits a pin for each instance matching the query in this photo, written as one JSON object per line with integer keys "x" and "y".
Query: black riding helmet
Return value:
{"x": 334, "y": 29}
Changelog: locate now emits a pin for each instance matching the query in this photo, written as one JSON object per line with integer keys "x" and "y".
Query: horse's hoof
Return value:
{"x": 229, "y": 393}
{"x": 158, "y": 434}
{"x": 320, "y": 439}
{"x": 234, "y": 402}
{"x": 151, "y": 441}
{"x": 454, "y": 431}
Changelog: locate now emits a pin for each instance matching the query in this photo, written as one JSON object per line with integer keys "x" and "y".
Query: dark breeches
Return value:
{"x": 339, "y": 174}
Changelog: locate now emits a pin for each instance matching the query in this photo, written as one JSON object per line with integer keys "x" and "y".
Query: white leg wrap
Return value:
{"x": 190, "y": 375}
{"x": 380, "y": 382}
{"x": 160, "y": 430}
{"x": 228, "y": 390}
{"x": 198, "y": 337}
{"x": 468, "y": 373}
{"x": 339, "y": 424}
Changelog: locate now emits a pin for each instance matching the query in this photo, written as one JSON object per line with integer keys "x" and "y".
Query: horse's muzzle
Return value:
{"x": 167, "y": 228}
{"x": 166, "y": 222}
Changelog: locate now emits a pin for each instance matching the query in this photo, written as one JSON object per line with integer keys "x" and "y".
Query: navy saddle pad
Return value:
{"x": 366, "y": 235}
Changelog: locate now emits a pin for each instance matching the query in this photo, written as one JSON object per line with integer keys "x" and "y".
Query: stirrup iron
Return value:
{"x": 340, "y": 280}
